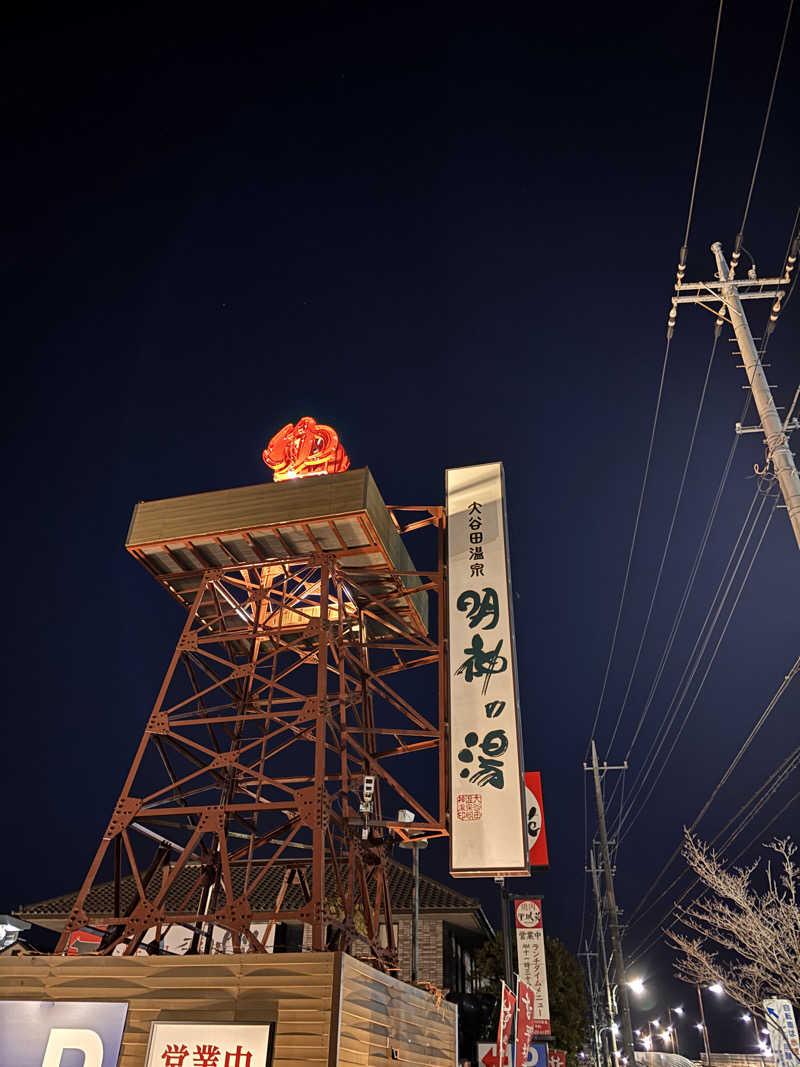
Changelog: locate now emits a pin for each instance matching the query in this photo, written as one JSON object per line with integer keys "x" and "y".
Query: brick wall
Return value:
{"x": 431, "y": 949}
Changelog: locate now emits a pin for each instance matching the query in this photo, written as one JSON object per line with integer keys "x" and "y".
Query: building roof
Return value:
{"x": 434, "y": 897}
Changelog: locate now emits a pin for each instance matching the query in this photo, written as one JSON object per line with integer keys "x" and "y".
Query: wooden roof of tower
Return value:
{"x": 180, "y": 537}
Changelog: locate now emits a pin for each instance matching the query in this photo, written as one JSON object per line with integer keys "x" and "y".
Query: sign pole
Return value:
{"x": 507, "y": 968}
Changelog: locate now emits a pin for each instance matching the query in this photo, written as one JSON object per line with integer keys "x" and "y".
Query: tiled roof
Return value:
{"x": 433, "y": 896}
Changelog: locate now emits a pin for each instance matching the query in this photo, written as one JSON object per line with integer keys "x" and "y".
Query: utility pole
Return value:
{"x": 728, "y": 293}
{"x": 601, "y": 942}
{"x": 593, "y": 1001}
{"x": 613, "y": 917}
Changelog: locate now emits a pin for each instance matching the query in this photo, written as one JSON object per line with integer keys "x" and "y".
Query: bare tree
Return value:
{"x": 745, "y": 938}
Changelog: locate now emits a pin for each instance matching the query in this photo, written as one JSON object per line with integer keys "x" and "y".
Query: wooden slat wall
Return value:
{"x": 378, "y": 1013}
{"x": 293, "y": 990}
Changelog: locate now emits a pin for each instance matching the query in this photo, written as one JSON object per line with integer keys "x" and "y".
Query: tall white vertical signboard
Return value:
{"x": 487, "y": 811}
{"x": 782, "y": 1032}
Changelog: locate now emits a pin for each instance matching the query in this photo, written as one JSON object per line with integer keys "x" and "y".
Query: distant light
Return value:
{"x": 765, "y": 1032}
{"x": 615, "y": 1028}
{"x": 698, "y": 1026}
{"x": 747, "y": 1018}
{"x": 638, "y": 1033}
{"x": 715, "y": 987}
{"x": 678, "y": 1011}
{"x": 636, "y": 984}
{"x": 656, "y": 1022}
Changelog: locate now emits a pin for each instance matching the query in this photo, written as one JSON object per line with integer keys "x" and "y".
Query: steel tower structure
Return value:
{"x": 303, "y": 704}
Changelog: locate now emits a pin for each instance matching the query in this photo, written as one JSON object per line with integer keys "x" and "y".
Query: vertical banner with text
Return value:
{"x": 508, "y": 1002}
{"x": 783, "y": 1036}
{"x": 487, "y": 816}
{"x": 531, "y": 960}
{"x": 526, "y": 1017}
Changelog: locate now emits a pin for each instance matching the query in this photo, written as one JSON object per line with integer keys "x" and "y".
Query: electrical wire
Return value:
{"x": 749, "y": 740}
{"x": 695, "y": 658}
{"x": 678, "y": 618}
{"x": 633, "y": 540}
{"x": 634, "y": 815}
{"x": 685, "y": 600}
{"x": 702, "y": 136}
{"x": 740, "y": 235}
{"x": 752, "y": 806}
{"x": 660, "y": 571}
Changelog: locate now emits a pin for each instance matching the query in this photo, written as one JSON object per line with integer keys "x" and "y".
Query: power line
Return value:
{"x": 693, "y": 663}
{"x": 632, "y": 817}
{"x": 752, "y": 806}
{"x": 740, "y": 235}
{"x": 670, "y": 530}
{"x": 685, "y": 245}
{"x": 633, "y": 537}
{"x": 768, "y": 789}
{"x": 749, "y": 740}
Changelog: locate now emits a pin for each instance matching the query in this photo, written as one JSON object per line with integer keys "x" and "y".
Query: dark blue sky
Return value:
{"x": 451, "y": 232}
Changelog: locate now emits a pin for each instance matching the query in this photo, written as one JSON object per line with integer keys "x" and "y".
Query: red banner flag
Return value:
{"x": 525, "y": 1023}
{"x": 556, "y": 1058}
{"x": 507, "y": 1004}
{"x": 534, "y": 815}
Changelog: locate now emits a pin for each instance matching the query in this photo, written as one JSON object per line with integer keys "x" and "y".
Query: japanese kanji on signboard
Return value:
{"x": 208, "y": 1045}
{"x": 487, "y": 827}
{"x": 531, "y": 960}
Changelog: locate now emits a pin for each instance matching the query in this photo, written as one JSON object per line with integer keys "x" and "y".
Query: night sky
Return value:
{"x": 452, "y": 233}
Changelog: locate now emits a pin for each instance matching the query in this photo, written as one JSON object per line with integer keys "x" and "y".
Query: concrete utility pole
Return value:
{"x": 601, "y": 941}
{"x": 596, "y": 1049}
{"x": 613, "y": 918}
{"x": 774, "y": 432}
{"x": 727, "y": 293}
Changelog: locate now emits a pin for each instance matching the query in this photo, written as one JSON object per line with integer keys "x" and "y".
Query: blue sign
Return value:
{"x": 42, "y": 1033}
{"x": 538, "y": 1056}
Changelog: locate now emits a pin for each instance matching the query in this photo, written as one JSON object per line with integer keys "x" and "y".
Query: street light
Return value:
{"x": 703, "y": 1027}
{"x": 716, "y": 987}
{"x": 415, "y": 844}
{"x": 636, "y": 985}
{"x": 674, "y": 1029}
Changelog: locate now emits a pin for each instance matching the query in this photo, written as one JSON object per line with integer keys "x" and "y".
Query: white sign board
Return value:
{"x": 487, "y": 1056}
{"x": 487, "y": 795}
{"x": 531, "y": 959}
{"x": 784, "y": 1041}
{"x": 208, "y": 1045}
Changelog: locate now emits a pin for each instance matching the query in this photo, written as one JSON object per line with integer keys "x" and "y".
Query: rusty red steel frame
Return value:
{"x": 283, "y": 692}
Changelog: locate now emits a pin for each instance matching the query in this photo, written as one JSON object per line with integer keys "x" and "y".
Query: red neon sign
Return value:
{"x": 305, "y": 449}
